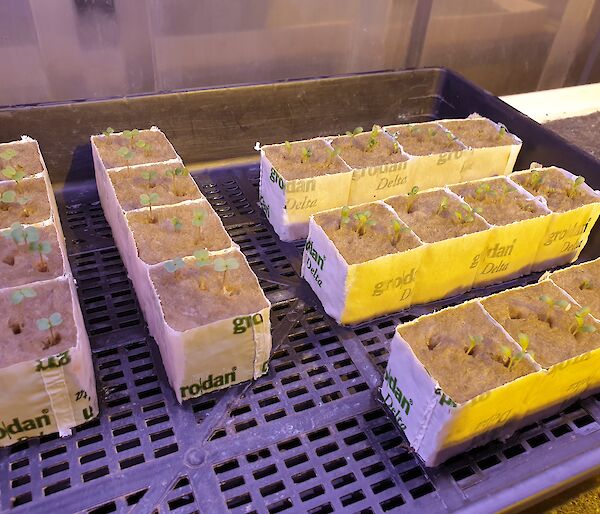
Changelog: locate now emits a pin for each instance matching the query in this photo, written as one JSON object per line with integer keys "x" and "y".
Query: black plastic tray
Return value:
{"x": 310, "y": 436}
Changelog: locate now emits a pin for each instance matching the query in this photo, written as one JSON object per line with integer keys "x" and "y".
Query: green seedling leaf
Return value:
{"x": 17, "y": 174}
{"x": 31, "y": 234}
{"x": 131, "y": 133}
{"x": 221, "y": 265}
{"x": 474, "y": 341}
{"x": 23, "y": 200}
{"x": 198, "y": 218}
{"x": 125, "y": 152}
{"x": 373, "y": 141}
{"x": 573, "y": 190}
{"x": 202, "y": 258}
{"x": 501, "y": 132}
{"x": 580, "y": 325}
{"x": 345, "y": 216}
{"x": 355, "y": 132}
{"x": 432, "y": 132}
{"x": 108, "y": 131}
{"x": 141, "y": 144}
{"x": 43, "y": 324}
{"x": 174, "y": 265}
{"x": 149, "y": 199}
{"x": 332, "y": 155}
{"x": 177, "y": 172}
{"x": 40, "y": 247}
{"x": 55, "y": 319}
{"x": 8, "y": 197}
{"x": 397, "y": 230}
{"x": 443, "y": 206}
{"x": 8, "y": 154}
{"x": 21, "y": 294}
{"x": 535, "y": 180}
{"x": 396, "y": 147}
{"x": 306, "y": 154}
{"x": 363, "y": 221}
{"x": 585, "y": 284}
{"x": 288, "y": 146}
{"x": 149, "y": 175}
{"x": 523, "y": 341}
{"x": 177, "y": 223}
{"x": 411, "y": 197}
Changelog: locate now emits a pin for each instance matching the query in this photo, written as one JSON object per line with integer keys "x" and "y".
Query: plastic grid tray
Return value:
{"x": 310, "y": 436}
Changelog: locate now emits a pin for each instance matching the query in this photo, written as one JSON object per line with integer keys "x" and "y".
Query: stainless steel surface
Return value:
{"x": 54, "y": 50}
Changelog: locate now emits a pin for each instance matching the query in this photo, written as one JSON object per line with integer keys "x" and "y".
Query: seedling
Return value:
{"x": 41, "y": 248}
{"x": 202, "y": 259}
{"x": 579, "y": 326}
{"x": 344, "y": 216}
{"x": 198, "y": 220}
{"x": 131, "y": 135}
{"x": 432, "y": 132}
{"x": 396, "y": 147}
{"x": 180, "y": 171}
{"x": 585, "y": 284}
{"x": 50, "y": 323}
{"x": 16, "y": 173}
{"x": 397, "y": 230}
{"x": 142, "y": 145}
{"x": 148, "y": 200}
{"x": 551, "y": 304}
{"x": 573, "y": 189}
{"x": 331, "y": 156}
{"x": 173, "y": 266}
{"x": 355, "y": 132}
{"x": 363, "y": 221}
{"x": 501, "y": 132}
{"x": 483, "y": 190}
{"x": 535, "y": 180}
{"x": 510, "y": 358}
{"x": 17, "y": 298}
{"x": 373, "y": 141}
{"x": 288, "y": 147}
{"x": 126, "y": 154}
{"x": 107, "y": 133}
{"x": 176, "y": 223}
{"x": 523, "y": 341}
{"x": 149, "y": 176}
{"x": 6, "y": 198}
{"x": 8, "y": 154}
{"x": 474, "y": 341}
{"x": 466, "y": 216}
{"x": 223, "y": 266}
{"x": 413, "y": 130}
{"x": 305, "y": 154}
{"x": 412, "y": 196}
{"x": 443, "y": 206}
{"x": 20, "y": 235}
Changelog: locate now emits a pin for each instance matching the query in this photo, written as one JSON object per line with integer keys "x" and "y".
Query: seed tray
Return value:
{"x": 311, "y": 435}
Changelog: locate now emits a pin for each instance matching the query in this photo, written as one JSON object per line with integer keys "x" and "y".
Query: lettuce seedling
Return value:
{"x": 573, "y": 189}
{"x": 443, "y": 206}
{"x": 411, "y": 197}
{"x": 19, "y": 234}
{"x": 344, "y": 216}
{"x": 174, "y": 174}
{"x": 176, "y": 223}
{"x": 17, "y": 298}
{"x": 484, "y": 190}
{"x": 579, "y": 325}
{"x": 202, "y": 259}
{"x": 363, "y": 221}
{"x": 355, "y": 132}
{"x": 397, "y": 230}
{"x": 173, "y": 266}
{"x": 142, "y": 145}
{"x": 131, "y": 135}
{"x": 149, "y": 176}
{"x": 373, "y": 141}
{"x": 8, "y": 154}
{"x": 107, "y": 133}
{"x": 6, "y": 198}
{"x": 41, "y": 248}
{"x": 585, "y": 284}
{"x": 16, "y": 173}
{"x": 126, "y": 154}
{"x": 510, "y": 358}
{"x": 551, "y": 304}
{"x": 198, "y": 220}
{"x": 535, "y": 180}
{"x": 222, "y": 265}
{"x": 305, "y": 154}
{"x": 50, "y": 323}
{"x": 148, "y": 201}
{"x": 474, "y": 341}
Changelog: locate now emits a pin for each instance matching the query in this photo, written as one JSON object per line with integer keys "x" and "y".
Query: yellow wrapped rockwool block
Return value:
{"x": 490, "y": 149}
{"x": 289, "y": 202}
{"x": 569, "y": 227}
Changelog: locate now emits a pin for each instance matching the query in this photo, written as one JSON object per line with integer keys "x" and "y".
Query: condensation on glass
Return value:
{"x": 54, "y": 50}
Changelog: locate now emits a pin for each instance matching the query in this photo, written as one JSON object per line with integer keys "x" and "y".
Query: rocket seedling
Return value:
{"x": 585, "y": 284}
{"x": 148, "y": 200}
{"x": 173, "y": 266}
{"x": 222, "y": 265}
{"x": 535, "y": 180}
{"x": 16, "y": 173}
{"x": 8, "y": 154}
{"x": 467, "y": 215}
{"x": 143, "y": 145}
{"x": 50, "y": 323}
{"x": 7, "y": 198}
{"x": 579, "y": 325}
{"x": 41, "y": 248}
{"x": 411, "y": 197}
{"x": 131, "y": 135}
{"x": 149, "y": 176}
{"x": 363, "y": 221}
{"x": 174, "y": 174}
{"x": 443, "y": 206}
{"x": 198, "y": 220}
{"x": 126, "y": 154}
{"x": 107, "y": 133}
{"x": 573, "y": 189}
{"x": 344, "y": 216}
{"x": 17, "y": 298}
{"x": 202, "y": 259}
{"x": 397, "y": 230}
{"x": 474, "y": 342}
{"x": 355, "y": 132}
{"x": 176, "y": 223}
{"x": 373, "y": 140}
{"x": 510, "y": 358}
{"x": 551, "y": 304}
{"x": 19, "y": 235}
{"x": 305, "y": 154}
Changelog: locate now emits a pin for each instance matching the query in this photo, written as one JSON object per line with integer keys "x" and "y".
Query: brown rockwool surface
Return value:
{"x": 549, "y": 330}
{"x": 424, "y": 139}
{"x": 580, "y": 130}
{"x": 582, "y": 283}
{"x": 27, "y": 157}
{"x": 193, "y": 297}
{"x": 554, "y": 189}
{"x": 377, "y": 239}
{"x": 440, "y": 343}
{"x": 159, "y": 241}
{"x": 129, "y": 185}
{"x": 478, "y": 133}
{"x": 35, "y": 210}
{"x": 354, "y": 150}
{"x": 108, "y": 147}
{"x": 502, "y": 204}
{"x": 425, "y": 221}
{"x": 20, "y": 266}
{"x": 30, "y": 343}
{"x": 289, "y": 165}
